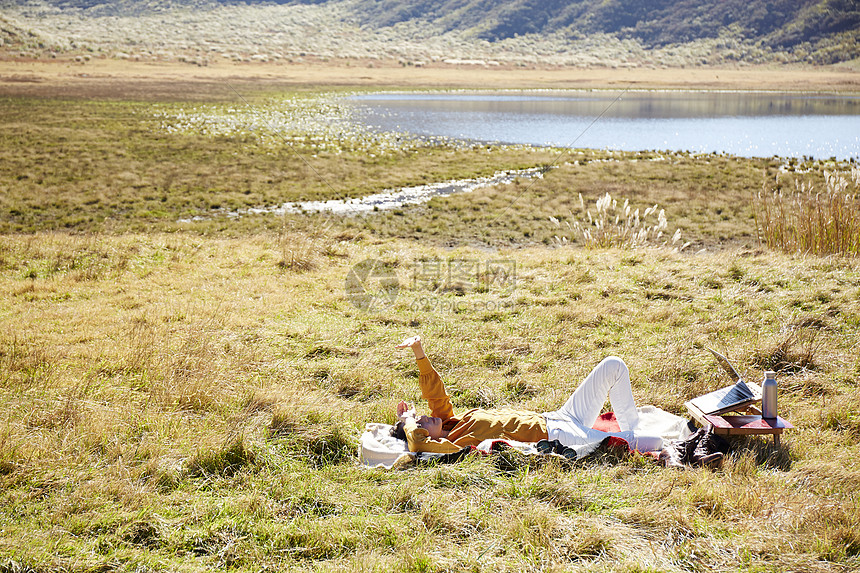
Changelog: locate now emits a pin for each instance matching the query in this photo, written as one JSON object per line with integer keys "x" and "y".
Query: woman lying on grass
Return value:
{"x": 442, "y": 432}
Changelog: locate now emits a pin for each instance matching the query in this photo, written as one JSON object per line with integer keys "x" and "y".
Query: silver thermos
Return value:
{"x": 768, "y": 396}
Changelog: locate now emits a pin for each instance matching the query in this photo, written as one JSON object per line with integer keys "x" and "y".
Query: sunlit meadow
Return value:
{"x": 189, "y": 395}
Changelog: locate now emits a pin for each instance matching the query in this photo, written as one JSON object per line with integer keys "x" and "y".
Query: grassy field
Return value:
{"x": 118, "y": 166}
{"x": 188, "y": 396}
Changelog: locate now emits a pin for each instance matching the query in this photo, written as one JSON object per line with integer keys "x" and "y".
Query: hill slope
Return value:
{"x": 563, "y": 32}
{"x": 778, "y": 24}
{"x": 654, "y": 22}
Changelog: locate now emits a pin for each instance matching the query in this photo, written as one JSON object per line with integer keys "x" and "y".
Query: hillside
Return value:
{"x": 777, "y": 24}
{"x": 780, "y": 23}
{"x": 521, "y": 32}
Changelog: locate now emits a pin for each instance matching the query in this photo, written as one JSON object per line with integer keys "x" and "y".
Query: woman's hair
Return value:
{"x": 398, "y": 431}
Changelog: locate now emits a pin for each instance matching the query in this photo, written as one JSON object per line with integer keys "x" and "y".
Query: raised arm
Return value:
{"x": 432, "y": 387}
{"x": 413, "y": 342}
{"x": 433, "y": 390}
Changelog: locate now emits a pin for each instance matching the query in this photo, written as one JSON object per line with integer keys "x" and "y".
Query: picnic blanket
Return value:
{"x": 379, "y": 449}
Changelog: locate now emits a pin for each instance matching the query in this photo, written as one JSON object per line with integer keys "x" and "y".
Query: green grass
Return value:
{"x": 189, "y": 398}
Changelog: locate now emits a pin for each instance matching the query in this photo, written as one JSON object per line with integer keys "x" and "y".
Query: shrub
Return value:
{"x": 806, "y": 221}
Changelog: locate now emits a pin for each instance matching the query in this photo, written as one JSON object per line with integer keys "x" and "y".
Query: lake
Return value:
{"x": 747, "y": 124}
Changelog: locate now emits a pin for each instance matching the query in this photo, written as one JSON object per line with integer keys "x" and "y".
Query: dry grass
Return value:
{"x": 195, "y": 403}
{"x": 707, "y": 198}
{"x": 169, "y": 81}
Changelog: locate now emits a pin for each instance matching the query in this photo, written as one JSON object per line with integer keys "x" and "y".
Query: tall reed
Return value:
{"x": 803, "y": 220}
{"x": 611, "y": 226}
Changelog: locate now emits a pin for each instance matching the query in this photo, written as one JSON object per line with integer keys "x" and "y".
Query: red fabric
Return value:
{"x": 606, "y": 422}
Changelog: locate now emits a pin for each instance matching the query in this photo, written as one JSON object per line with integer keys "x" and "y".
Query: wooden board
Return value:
{"x": 739, "y": 425}
{"x": 752, "y": 423}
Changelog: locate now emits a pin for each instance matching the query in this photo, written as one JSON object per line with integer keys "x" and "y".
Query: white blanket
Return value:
{"x": 379, "y": 449}
{"x": 656, "y": 422}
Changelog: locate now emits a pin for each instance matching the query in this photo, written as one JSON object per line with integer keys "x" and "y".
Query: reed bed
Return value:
{"x": 805, "y": 220}
{"x": 624, "y": 227}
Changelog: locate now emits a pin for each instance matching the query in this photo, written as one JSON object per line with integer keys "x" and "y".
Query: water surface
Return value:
{"x": 748, "y": 124}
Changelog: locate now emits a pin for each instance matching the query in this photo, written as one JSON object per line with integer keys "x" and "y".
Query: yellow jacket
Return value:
{"x": 471, "y": 428}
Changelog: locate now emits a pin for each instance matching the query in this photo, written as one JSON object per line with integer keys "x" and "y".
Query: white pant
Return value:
{"x": 571, "y": 424}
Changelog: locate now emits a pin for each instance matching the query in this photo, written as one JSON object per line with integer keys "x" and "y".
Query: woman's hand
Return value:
{"x": 413, "y": 342}
{"x": 410, "y": 342}
{"x": 405, "y": 411}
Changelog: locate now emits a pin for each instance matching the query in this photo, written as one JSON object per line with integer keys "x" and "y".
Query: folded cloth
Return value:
{"x": 379, "y": 449}
{"x": 496, "y": 445}
{"x": 606, "y": 422}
